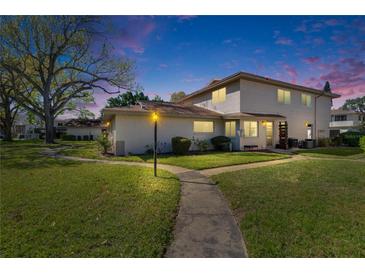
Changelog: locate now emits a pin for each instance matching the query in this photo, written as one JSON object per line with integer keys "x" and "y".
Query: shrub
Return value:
{"x": 362, "y": 143}
{"x": 324, "y": 142}
{"x": 85, "y": 138}
{"x": 351, "y": 138}
{"x": 201, "y": 144}
{"x": 180, "y": 145}
{"x": 104, "y": 142}
{"x": 69, "y": 137}
{"x": 337, "y": 141}
{"x": 221, "y": 142}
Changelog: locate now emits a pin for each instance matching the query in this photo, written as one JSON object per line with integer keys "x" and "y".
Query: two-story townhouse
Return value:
{"x": 345, "y": 120}
{"x": 248, "y": 108}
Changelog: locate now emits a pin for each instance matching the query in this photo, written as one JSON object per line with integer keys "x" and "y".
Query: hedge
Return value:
{"x": 351, "y": 139}
{"x": 221, "y": 142}
{"x": 362, "y": 143}
{"x": 180, "y": 145}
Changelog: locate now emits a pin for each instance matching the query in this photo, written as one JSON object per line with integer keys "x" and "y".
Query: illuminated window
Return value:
{"x": 203, "y": 126}
{"x": 284, "y": 96}
{"x": 306, "y": 100}
{"x": 218, "y": 96}
{"x": 250, "y": 128}
{"x": 231, "y": 128}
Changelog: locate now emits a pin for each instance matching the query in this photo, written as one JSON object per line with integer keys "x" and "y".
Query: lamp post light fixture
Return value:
{"x": 155, "y": 119}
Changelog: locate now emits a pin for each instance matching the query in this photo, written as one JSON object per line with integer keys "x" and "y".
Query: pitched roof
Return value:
{"x": 83, "y": 123}
{"x": 164, "y": 109}
{"x": 256, "y": 78}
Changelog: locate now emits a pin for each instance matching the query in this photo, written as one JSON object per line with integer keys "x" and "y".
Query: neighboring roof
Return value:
{"x": 343, "y": 111}
{"x": 250, "y": 114}
{"x": 83, "y": 123}
{"x": 256, "y": 78}
{"x": 164, "y": 109}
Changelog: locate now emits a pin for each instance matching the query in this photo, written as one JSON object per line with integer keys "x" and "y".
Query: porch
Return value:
{"x": 257, "y": 131}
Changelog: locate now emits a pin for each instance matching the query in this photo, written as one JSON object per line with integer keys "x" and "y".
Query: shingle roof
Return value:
{"x": 257, "y": 78}
{"x": 164, "y": 108}
{"x": 83, "y": 123}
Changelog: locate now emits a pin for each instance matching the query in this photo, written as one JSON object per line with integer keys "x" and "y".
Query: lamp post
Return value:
{"x": 155, "y": 118}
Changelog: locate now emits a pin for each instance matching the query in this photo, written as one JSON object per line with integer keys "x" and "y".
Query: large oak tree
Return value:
{"x": 59, "y": 59}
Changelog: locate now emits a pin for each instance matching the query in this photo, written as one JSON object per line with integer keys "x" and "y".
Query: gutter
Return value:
{"x": 315, "y": 114}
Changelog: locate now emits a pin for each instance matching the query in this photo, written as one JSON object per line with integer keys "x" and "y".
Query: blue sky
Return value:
{"x": 174, "y": 53}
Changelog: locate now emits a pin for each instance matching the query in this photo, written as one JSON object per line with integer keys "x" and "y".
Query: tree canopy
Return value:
{"x": 327, "y": 87}
{"x": 59, "y": 59}
{"x": 176, "y": 96}
{"x": 126, "y": 99}
{"x": 356, "y": 104}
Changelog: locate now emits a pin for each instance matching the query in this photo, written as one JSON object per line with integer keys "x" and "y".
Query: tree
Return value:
{"x": 86, "y": 114}
{"x": 58, "y": 61}
{"x": 9, "y": 108}
{"x": 327, "y": 87}
{"x": 356, "y": 104}
{"x": 126, "y": 99}
{"x": 176, "y": 96}
{"x": 157, "y": 98}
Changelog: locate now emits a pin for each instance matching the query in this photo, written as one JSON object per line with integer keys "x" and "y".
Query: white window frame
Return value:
{"x": 284, "y": 96}
{"x": 231, "y": 130}
{"x": 219, "y": 95}
{"x": 198, "y": 130}
{"x": 248, "y": 135}
{"x": 306, "y": 100}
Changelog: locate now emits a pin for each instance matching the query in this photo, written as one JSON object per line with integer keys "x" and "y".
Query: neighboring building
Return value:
{"x": 83, "y": 129}
{"x": 345, "y": 120}
{"x": 246, "y": 107}
{"x": 23, "y": 130}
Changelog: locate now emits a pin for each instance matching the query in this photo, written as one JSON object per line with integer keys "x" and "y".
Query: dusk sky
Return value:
{"x": 174, "y": 53}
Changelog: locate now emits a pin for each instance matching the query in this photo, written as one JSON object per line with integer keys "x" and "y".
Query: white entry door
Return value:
{"x": 269, "y": 134}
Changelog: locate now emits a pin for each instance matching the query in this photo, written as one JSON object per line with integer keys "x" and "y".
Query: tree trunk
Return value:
{"x": 7, "y": 122}
{"x": 48, "y": 121}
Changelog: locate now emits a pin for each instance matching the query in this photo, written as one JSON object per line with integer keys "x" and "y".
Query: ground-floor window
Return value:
{"x": 230, "y": 128}
{"x": 250, "y": 128}
{"x": 203, "y": 126}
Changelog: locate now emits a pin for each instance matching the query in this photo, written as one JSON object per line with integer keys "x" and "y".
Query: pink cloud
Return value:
{"x": 133, "y": 34}
{"x": 283, "y": 41}
{"x": 292, "y": 72}
{"x": 311, "y": 60}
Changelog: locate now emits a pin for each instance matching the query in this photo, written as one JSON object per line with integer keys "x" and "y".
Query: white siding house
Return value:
{"x": 245, "y": 107}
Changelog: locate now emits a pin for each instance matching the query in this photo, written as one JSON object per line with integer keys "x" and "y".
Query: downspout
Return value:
{"x": 315, "y": 115}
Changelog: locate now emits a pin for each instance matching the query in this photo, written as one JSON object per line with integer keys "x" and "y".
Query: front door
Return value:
{"x": 269, "y": 134}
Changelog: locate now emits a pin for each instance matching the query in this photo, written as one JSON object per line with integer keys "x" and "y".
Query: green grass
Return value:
{"x": 56, "y": 208}
{"x": 198, "y": 161}
{"x": 351, "y": 152}
{"x": 309, "y": 208}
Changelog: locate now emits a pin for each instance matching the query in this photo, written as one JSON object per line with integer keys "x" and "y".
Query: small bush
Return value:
{"x": 69, "y": 137}
{"x": 104, "y": 142}
{"x": 324, "y": 142}
{"x": 180, "y": 145}
{"x": 201, "y": 144}
{"x": 221, "y": 142}
{"x": 85, "y": 138}
{"x": 351, "y": 138}
{"x": 362, "y": 143}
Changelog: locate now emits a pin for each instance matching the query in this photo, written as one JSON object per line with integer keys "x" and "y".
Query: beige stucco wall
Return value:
{"x": 262, "y": 98}
{"x": 84, "y": 131}
{"x": 230, "y": 105}
{"x": 137, "y": 131}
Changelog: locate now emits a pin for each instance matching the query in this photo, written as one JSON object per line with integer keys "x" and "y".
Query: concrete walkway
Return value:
{"x": 218, "y": 170}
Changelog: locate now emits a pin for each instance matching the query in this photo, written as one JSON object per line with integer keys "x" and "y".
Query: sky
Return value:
{"x": 184, "y": 53}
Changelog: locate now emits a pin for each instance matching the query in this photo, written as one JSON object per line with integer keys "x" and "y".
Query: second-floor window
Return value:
{"x": 218, "y": 96}
{"x": 306, "y": 100}
{"x": 340, "y": 118}
{"x": 284, "y": 96}
{"x": 250, "y": 129}
{"x": 230, "y": 128}
{"x": 203, "y": 126}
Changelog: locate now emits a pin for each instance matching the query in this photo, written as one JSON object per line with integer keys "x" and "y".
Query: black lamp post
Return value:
{"x": 155, "y": 118}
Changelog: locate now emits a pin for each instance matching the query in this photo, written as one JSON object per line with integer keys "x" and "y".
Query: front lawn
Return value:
{"x": 197, "y": 161}
{"x": 309, "y": 208}
{"x": 56, "y": 208}
{"x": 335, "y": 152}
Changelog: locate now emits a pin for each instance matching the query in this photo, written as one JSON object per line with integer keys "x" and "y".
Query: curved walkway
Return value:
{"x": 205, "y": 225}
